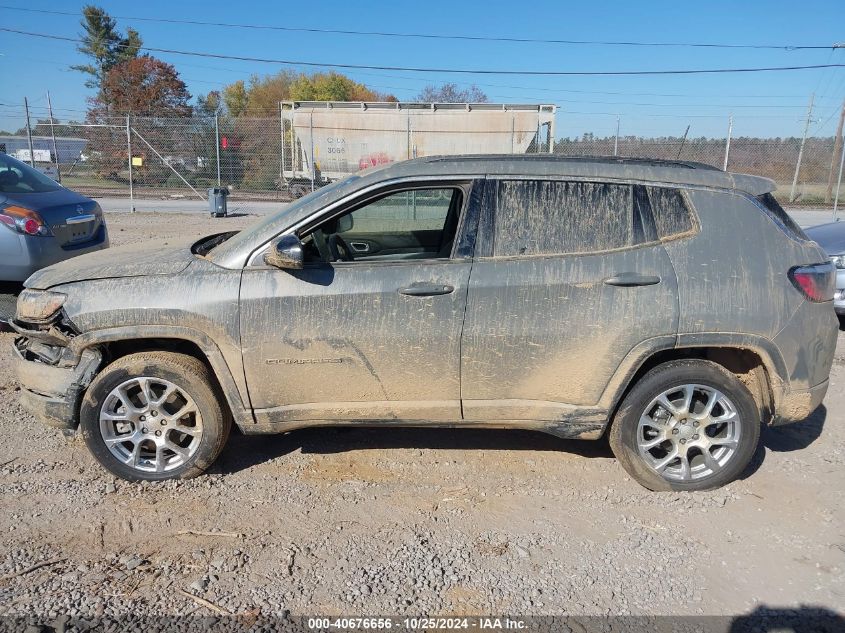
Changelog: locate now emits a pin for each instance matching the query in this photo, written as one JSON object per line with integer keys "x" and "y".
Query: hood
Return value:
{"x": 831, "y": 237}
{"x": 137, "y": 260}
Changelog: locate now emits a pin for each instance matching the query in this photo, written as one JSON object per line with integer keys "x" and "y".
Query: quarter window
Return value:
{"x": 671, "y": 213}
{"x": 538, "y": 217}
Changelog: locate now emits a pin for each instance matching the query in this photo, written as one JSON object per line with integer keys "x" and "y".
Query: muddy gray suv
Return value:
{"x": 669, "y": 305}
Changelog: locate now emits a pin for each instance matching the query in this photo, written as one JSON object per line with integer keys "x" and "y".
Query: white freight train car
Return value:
{"x": 324, "y": 141}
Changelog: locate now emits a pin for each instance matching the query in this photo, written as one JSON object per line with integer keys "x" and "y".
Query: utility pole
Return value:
{"x": 53, "y": 134}
{"x": 616, "y": 139}
{"x": 29, "y": 134}
{"x": 837, "y": 148}
{"x": 838, "y": 187}
{"x": 728, "y": 142}
{"x": 801, "y": 149}
{"x": 217, "y": 145}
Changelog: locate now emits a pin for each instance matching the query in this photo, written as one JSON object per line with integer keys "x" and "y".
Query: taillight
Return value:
{"x": 816, "y": 282}
{"x": 23, "y": 220}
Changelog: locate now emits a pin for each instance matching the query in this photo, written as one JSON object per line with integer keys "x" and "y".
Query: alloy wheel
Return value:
{"x": 150, "y": 424}
{"x": 688, "y": 432}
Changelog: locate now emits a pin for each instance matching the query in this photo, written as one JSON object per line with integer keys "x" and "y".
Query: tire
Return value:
{"x": 641, "y": 421}
{"x": 176, "y": 435}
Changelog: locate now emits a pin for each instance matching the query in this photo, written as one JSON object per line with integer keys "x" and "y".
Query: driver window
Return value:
{"x": 409, "y": 224}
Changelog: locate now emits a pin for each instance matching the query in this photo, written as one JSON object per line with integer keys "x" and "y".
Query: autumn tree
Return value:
{"x": 143, "y": 85}
{"x": 452, "y": 93}
{"x": 104, "y": 44}
{"x": 264, "y": 94}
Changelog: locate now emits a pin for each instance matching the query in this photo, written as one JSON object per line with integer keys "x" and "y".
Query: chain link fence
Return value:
{"x": 277, "y": 158}
{"x": 775, "y": 158}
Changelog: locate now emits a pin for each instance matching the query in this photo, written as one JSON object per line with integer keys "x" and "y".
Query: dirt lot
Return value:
{"x": 413, "y": 521}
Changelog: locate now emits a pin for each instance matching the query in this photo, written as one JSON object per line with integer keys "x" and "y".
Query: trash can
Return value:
{"x": 217, "y": 201}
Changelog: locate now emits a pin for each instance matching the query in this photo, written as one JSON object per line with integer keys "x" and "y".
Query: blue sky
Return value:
{"x": 763, "y": 104}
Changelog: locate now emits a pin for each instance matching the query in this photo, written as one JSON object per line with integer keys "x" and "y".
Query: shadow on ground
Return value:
{"x": 787, "y": 438}
{"x": 9, "y": 292}
{"x": 803, "y": 619}
{"x": 797, "y": 436}
{"x": 245, "y": 451}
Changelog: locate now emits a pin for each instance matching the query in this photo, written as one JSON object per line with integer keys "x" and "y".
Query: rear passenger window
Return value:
{"x": 671, "y": 213}
{"x": 538, "y": 217}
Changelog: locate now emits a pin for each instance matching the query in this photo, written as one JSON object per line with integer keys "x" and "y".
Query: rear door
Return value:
{"x": 569, "y": 278}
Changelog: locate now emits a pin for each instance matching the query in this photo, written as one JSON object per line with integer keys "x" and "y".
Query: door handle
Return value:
{"x": 627, "y": 280}
{"x": 426, "y": 290}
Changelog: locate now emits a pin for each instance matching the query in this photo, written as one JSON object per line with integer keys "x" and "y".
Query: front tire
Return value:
{"x": 686, "y": 425}
{"x": 153, "y": 416}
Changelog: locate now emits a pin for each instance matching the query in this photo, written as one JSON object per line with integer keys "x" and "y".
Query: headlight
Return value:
{"x": 838, "y": 261}
{"x": 38, "y": 305}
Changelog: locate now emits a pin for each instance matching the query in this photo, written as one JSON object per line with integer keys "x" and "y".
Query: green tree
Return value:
{"x": 42, "y": 128}
{"x": 235, "y": 97}
{"x": 104, "y": 44}
{"x": 330, "y": 87}
{"x": 209, "y": 105}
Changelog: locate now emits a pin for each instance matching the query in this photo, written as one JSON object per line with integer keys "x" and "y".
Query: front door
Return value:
{"x": 370, "y": 328}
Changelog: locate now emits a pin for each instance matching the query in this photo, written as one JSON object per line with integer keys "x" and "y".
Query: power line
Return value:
{"x": 249, "y": 74}
{"x": 438, "y": 36}
{"x": 545, "y": 73}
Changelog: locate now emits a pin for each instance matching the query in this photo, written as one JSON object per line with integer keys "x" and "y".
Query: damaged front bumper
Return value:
{"x": 52, "y": 381}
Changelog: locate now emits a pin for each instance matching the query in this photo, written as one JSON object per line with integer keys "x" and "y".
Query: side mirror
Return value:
{"x": 285, "y": 252}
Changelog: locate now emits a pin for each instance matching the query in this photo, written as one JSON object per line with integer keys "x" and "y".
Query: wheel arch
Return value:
{"x": 755, "y": 362}
{"x": 118, "y": 342}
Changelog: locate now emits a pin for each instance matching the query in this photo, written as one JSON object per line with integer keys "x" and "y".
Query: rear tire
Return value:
{"x": 664, "y": 436}
{"x": 153, "y": 416}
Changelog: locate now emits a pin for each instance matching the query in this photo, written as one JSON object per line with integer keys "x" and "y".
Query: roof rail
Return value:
{"x": 619, "y": 160}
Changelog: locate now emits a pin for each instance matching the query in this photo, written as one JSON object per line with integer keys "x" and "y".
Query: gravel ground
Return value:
{"x": 417, "y": 522}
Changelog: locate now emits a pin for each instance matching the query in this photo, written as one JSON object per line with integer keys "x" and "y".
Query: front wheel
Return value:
{"x": 153, "y": 416}
{"x": 686, "y": 425}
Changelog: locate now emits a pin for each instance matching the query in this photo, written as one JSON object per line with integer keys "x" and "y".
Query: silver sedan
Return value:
{"x": 41, "y": 222}
{"x": 831, "y": 237}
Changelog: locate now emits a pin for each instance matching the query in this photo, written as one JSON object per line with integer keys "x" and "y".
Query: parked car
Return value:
{"x": 575, "y": 297}
{"x": 831, "y": 237}
{"x": 41, "y": 222}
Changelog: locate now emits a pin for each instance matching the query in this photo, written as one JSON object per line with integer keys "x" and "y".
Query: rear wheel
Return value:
{"x": 686, "y": 425}
{"x": 153, "y": 416}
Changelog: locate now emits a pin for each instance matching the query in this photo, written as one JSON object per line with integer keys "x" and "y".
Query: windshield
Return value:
{"x": 246, "y": 236}
{"x": 18, "y": 177}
